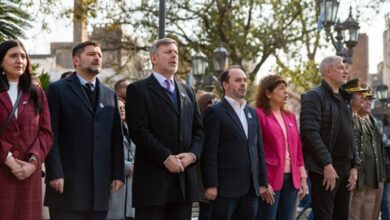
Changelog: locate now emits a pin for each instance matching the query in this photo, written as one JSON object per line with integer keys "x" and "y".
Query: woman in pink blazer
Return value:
{"x": 282, "y": 148}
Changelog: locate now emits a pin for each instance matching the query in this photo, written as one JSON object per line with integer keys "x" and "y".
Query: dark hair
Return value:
{"x": 79, "y": 48}
{"x": 25, "y": 79}
{"x": 118, "y": 83}
{"x": 66, "y": 74}
{"x": 268, "y": 83}
{"x": 225, "y": 75}
{"x": 205, "y": 100}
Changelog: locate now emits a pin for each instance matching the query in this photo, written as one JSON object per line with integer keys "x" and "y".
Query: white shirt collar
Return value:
{"x": 84, "y": 81}
{"x": 235, "y": 104}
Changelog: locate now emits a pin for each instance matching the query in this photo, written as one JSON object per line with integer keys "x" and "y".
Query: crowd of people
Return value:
{"x": 151, "y": 148}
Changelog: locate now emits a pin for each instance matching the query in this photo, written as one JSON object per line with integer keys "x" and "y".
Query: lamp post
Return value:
{"x": 382, "y": 93}
{"x": 220, "y": 59}
{"x": 161, "y": 20}
{"x": 346, "y": 32}
{"x": 199, "y": 64}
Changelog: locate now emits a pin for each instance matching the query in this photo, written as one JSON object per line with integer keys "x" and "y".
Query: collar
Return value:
{"x": 344, "y": 94}
{"x": 84, "y": 81}
{"x": 236, "y": 104}
{"x": 161, "y": 79}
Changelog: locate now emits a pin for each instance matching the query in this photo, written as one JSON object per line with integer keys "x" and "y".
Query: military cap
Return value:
{"x": 369, "y": 94}
{"x": 354, "y": 85}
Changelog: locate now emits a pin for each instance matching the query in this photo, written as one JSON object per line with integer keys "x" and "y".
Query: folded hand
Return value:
{"x": 25, "y": 170}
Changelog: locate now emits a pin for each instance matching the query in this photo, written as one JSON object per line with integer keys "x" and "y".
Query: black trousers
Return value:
{"x": 244, "y": 207}
{"x": 57, "y": 214}
{"x": 331, "y": 205}
{"x": 177, "y": 211}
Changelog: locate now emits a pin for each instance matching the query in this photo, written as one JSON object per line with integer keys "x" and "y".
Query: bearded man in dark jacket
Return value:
{"x": 328, "y": 142}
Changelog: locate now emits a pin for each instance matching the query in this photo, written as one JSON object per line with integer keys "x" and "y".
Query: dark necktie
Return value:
{"x": 89, "y": 89}
{"x": 89, "y": 86}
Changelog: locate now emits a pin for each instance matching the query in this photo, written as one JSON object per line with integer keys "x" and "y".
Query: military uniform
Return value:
{"x": 369, "y": 186}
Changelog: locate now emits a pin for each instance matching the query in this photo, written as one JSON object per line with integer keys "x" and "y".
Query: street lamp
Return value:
{"x": 347, "y": 30}
{"x": 382, "y": 93}
{"x": 199, "y": 65}
{"x": 220, "y": 59}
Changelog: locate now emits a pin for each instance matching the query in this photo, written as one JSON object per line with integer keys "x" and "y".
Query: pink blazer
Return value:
{"x": 274, "y": 147}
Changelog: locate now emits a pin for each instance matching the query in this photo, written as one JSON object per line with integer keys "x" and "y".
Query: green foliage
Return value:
{"x": 43, "y": 77}
{"x": 304, "y": 76}
{"x": 13, "y": 20}
{"x": 251, "y": 30}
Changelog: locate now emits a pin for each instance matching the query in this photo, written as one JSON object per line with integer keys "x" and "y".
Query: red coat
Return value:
{"x": 29, "y": 134}
{"x": 274, "y": 148}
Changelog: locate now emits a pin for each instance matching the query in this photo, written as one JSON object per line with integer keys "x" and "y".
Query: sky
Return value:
{"x": 38, "y": 41}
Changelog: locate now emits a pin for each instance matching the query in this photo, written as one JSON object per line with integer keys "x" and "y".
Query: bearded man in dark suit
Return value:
{"x": 233, "y": 165}
{"x": 86, "y": 160}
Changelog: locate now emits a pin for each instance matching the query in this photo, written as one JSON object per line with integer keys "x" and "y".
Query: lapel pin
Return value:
{"x": 24, "y": 102}
{"x": 183, "y": 95}
{"x": 249, "y": 115}
{"x": 290, "y": 124}
{"x": 101, "y": 105}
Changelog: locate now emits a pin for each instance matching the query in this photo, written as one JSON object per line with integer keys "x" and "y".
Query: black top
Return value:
{"x": 344, "y": 140}
{"x": 91, "y": 93}
{"x": 320, "y": 121}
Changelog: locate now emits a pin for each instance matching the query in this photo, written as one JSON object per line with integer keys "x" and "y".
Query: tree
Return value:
{"x": 243, "y": 26}
{"x": 43, "y": 78}
{"x": 13, "y": 20}
{"x": 303, "y": 73}
{"x": 251, "y": 30}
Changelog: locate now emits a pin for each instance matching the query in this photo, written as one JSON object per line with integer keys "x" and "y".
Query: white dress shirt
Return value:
{"x": 239, "y": 109}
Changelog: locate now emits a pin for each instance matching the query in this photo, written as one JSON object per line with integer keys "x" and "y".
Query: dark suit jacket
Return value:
{"x": 158, "y": 130}
{"x": 231, "y": 161}
{"x": 87, "y": 148}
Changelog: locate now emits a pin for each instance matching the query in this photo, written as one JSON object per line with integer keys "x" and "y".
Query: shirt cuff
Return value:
{"x": 165, "y": 161}
{"x": 194, "y": 157}
{"x": 8, "y": 156}
{"x": 33, "y": 159}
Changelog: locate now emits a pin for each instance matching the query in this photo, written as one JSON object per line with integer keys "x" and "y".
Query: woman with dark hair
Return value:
{"x": 282, "y": 149}
{"x": 205, "y": 101}
{"x": 120, "y": 206}
{"x": 25, "y": 138}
